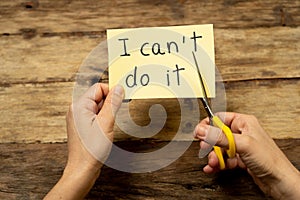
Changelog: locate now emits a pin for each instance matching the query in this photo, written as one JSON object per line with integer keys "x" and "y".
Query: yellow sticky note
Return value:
{"x": 157, "y": 62}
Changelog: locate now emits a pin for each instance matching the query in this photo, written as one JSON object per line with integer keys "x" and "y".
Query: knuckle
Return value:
{"x": 253, "y": 118}
{"x": 246, "y": 143}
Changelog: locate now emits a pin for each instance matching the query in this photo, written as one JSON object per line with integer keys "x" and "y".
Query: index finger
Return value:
{"x": 226, "y": 117}
{"x": 96, "y": 92}
{"x": 235, "y": 121}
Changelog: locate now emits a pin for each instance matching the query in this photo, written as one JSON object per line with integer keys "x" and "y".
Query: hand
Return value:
{"x": 256, "y": 152}
{"x": 90, "y": 123}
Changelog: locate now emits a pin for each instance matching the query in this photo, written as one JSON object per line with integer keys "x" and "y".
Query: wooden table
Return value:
{"x": 257, "y": 46}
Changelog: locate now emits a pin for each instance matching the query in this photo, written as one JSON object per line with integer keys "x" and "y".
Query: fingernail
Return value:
{"x": 119, "y": 90}
{"x": 195, "y": 133}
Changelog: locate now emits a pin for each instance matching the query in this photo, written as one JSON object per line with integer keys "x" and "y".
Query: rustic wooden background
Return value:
{"x": 43, "y": 42}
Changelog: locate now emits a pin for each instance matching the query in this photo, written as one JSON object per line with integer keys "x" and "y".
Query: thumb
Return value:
{"x": 111, "y": 105}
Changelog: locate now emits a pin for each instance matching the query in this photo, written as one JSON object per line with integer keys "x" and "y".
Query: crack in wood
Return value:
{"x": 105, "y": 80}
{"x": 29, "y": 33}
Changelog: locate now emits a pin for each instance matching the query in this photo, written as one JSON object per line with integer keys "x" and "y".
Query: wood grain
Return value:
{"x": 48, "y": 17}
{"x": 36, "y": 113}
{"x": 29, "y": 171}
{"x": 44, "y": 42}
{"x": 241, "y": 54}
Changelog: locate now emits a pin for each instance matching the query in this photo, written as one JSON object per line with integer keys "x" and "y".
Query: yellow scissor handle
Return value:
{"x": 232, "y": 149}
{"x": 219, "y": 154}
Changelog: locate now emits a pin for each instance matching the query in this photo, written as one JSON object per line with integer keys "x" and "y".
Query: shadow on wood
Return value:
{"x": 29, "y": 171}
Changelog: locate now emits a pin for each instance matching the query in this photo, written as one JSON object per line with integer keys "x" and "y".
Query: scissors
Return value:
{"x": 216, "y": 121}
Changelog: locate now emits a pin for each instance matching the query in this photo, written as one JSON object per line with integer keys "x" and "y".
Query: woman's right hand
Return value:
{"x": 256, "y": 152}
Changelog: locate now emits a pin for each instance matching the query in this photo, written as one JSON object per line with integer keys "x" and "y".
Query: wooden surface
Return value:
{"x": 44, "y": 42}
{"x": 40, "y": 57}
{"x": 29, "y": 171}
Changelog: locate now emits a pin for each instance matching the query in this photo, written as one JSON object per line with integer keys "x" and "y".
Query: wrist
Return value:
{"x": 287, "y": 185}
{"x": 74, "y": 184}
{"x": 87, "y": 172}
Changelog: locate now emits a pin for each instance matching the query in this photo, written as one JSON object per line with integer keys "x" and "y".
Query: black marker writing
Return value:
{"x": 142, "y": 49}
{"x": 177, "y": 71}
{"x": 144, "y": 79}
{"x": 169, "y": 46}
{"x": 124, "y": 44}
{"x": 168, "y": 78}
{"x": 195, "y": 40}
{"x": 157, "y": 48}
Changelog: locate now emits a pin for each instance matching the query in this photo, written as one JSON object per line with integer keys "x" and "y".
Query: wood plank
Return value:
{"x": 36, "y": 112}
{"x": 257, "y": 53}
{"x": 241, "y": 54}
{"x": 275, "y": 103}
{"x": 46, "y": 16}
{"x": 44, "y": 42}
{"x": 51, "y": 59}
{"x": 29, "y": 171}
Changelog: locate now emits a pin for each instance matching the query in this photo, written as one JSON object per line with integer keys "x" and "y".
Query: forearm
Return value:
{"x": 284, "y": 183}
{"x": 289, "y": 186}
{"x": 73, "y": 185}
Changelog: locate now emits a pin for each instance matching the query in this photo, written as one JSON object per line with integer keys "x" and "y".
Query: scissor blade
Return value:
{"x": 204, "y": 99}
{"x": 200, "y": 77}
